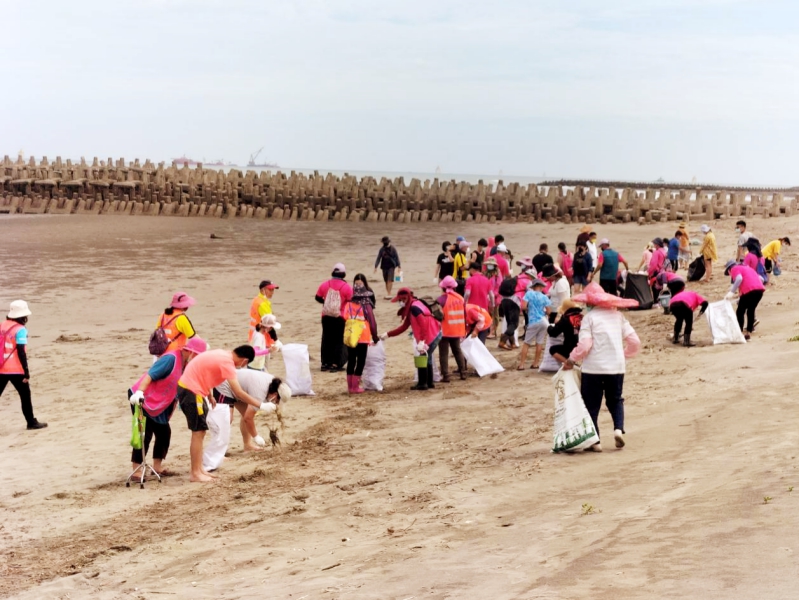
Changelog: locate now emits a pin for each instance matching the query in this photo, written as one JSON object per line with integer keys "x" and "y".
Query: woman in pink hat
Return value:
{"x": 605, "y": 343}
{"x": 155, "y": 391}
{"x": 175, "y": 323}
{"x": 334, "y": 295}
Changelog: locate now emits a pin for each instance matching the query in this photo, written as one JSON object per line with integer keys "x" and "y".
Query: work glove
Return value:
{"x": 277, "y": 346}
{"x": 259, "y": 441}
{"x": 729, "y": 296}
{"x": 268, "y": 407}
{"x": 137, "y": 398}
{"x": 383, "y": 336}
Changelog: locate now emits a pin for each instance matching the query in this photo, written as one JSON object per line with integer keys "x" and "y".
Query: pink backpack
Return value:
{"x": 567, "y": 260}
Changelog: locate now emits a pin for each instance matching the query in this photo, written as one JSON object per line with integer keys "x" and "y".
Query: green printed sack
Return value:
{"x": 137, "y": 432}
{"x": 574, "y": 429}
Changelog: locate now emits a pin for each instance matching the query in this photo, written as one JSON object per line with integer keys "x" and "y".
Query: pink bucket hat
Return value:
{"x": 182, "y": 300}
{"x": 526, "y": 262}
{"x": 196, "y": 345}
{"x": 594, "y": 295}
{"x": 448, "y": 283}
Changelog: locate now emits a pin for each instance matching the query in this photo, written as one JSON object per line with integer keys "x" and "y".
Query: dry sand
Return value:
{"x": 447, "y": 494}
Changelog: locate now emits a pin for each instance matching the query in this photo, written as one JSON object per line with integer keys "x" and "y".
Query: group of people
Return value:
{"x": 480, "y": 297}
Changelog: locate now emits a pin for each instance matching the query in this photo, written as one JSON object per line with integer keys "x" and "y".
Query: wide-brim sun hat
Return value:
{"x": 448, "y": 283}
{"x": 567, "y": 304}
{"x": 536, "y": 282}
{"x": 525, "y": 262}
{"x": 730, "y": 264}
{"x": 18, "y": 309}
{"x": 182, "y": 300}
{"x": 196, "y": 345}
{"x": 594, "y": 295}
{"x": 270, "y": 320}
{"x": 704, "y": 228}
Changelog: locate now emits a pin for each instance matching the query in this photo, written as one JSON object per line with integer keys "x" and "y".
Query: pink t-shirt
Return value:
{"x": 344, "y": 290}
{"x": 502, "y": 265}
{"x": 689, "y": 297}
{"x": 208, "y": 370}
{"x": 751, "y": 261}
{"x": 478, "y": 287}
{"x": 750, "y": 280}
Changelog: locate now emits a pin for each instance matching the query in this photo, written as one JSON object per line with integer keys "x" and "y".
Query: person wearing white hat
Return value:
{"x": 264, "y": 343}
{"x": 708, "y": 251}
{"x": 14, "y": 359}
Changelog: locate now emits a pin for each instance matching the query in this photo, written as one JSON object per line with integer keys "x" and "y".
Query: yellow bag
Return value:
{"x": 353, "y": 329}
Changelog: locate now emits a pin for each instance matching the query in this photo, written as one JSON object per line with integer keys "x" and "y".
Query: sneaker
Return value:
{"x": 37, "y": 425}
{"x": 617, "y": 435}
{"x": 595, "y": 448}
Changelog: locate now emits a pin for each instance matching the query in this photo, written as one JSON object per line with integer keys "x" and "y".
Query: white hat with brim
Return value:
{"x": 270, "y": 320}
{"x": 18, "y": 309}
{"x": 704, "y": 228}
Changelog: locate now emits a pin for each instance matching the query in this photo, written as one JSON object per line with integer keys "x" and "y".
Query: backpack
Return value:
{"x": 434, "y": 307}
{"x": 332, "y": 304}
{"x": 6, "y": 335}
{"x": 508, "y": 287}
{"x": 159, "y": 340}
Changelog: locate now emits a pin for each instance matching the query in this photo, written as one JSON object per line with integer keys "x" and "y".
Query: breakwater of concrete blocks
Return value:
{"x": 119, "y": 187}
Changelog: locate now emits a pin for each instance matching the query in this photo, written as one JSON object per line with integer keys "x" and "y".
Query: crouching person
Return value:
{"x": 682, "y": 306}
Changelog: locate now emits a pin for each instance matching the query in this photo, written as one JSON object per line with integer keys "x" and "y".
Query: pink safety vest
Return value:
{"x": 11, "y": 363}
{"x": 160, "y": 394}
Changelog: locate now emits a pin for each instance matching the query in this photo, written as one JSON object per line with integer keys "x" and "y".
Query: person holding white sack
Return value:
{"x": 606, "y": 341}
{"x": 269, "y": 390}
{"x": 747, "y": 282}
{"x": 263, "y": 343}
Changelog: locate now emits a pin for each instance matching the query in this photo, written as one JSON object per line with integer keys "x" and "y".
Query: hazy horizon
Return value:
{"x": 624, "y": 90}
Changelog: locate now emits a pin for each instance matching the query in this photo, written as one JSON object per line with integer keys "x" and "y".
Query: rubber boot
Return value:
{"x": 349, "y": 384}
{"x": 687, "y": 342}
{"x": 356, "y": 385}
{"x": 430, "y": 384}
{"x": 422, "y": 383}
{"x": 676, "y": 339}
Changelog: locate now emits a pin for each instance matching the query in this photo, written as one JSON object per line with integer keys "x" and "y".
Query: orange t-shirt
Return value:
{"x": 208, "y": 370}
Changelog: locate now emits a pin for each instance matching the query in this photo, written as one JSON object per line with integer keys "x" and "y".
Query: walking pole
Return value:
{"x": 144, "y": 466}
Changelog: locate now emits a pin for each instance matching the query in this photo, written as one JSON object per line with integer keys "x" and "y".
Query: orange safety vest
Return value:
{"x": 255, "y": 318}
{"x": 176, "y": 338}
{"x": 11, "y": 365}
{"x": 356, "y": 311}
{"x": 486, "y": 315}
{"x": 454, "y": 323}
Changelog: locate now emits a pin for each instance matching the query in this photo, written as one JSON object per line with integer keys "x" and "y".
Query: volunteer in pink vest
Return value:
{"x": 334, "y": 295}
{"x": 14, "y": 360}
{"x": 682, "y": 305}
{"x": 748, "y": 284}
{"x": 426, "y": 332}
{"x": 155, "y": 391}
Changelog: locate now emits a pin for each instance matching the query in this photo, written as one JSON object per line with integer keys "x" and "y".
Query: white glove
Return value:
{"x": 383, "y": 336}
{"x": 277, "y": 346}
{"x": 729, "y": 296}
{"x": 137, "y": 398}
{"x": 435, "y": 279}
{"x": 268, "y": 407}
{"x": 259, "y": 441}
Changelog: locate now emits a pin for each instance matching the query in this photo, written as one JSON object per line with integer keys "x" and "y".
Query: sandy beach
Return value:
{"x": 451, "y": 493}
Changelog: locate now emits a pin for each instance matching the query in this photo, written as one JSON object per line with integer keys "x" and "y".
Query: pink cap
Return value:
{"x": 196, "y": 345}
{"x": 339, "y": 267}
{"x": 182, "y": 300}
{"x": 604, "y": 242}
{"x": 448, "y": 283}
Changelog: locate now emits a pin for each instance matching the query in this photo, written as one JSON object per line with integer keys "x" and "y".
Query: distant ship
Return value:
{"x": 252, "y": 163}
{"x": 219, "y": 162}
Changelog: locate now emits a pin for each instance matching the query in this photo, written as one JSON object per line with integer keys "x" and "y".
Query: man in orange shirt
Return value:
{"x": 261, "y": 305}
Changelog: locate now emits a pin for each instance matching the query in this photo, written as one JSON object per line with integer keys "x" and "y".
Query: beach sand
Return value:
{"x": 451, "y": 493}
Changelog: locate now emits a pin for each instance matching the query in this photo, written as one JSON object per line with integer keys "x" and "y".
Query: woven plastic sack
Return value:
{"x": 374, "y": 370}
{"x": 136, "y": 434}
{"x": 298, "y": 369}
{"x": 548, "y": 363}
{"x": 724, "y": 328}
{"x": 479, "y": 357}
{"x": 574, "y": 429}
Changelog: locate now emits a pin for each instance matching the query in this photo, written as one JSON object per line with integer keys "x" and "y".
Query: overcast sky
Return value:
{"x": 579, "y": 88}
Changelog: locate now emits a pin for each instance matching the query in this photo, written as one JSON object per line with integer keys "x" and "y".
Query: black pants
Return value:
{"x": 747, "y": 304}
{"x": 162, "y": 433}
{"x": 594, "y": 386}
{"x": 511, "y": 312}
{"x": 443, "y": 355}
{"x": 356, "y": 359}
{"x": 610, "y": 286}
{"x": 768, "y": 265}
{"x": 561, "y": 349}
{"x": 24, "y": 391}
{"x": 333, "y": 348}
{"x": 674, "y": 264}
{"x": 682, "y": 314}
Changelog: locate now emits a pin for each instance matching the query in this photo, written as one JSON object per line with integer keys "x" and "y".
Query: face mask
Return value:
{"x": 358, "y": 284}
{"x": 402, "y": 303}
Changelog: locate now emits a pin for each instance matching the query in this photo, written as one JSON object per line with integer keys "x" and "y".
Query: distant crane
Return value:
{"x": 253, "y": 156}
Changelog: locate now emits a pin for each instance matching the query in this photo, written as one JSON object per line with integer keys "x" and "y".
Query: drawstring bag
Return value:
{"x": 298, "y": 369}
{"x": 353, "y": 329}
{"x": 374, "y": 370}
{"x": 574, "y": 429}
{"x": 137, "y": 432}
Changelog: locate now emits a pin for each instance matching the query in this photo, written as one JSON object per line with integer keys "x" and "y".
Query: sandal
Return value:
{"x": 534, "y": 367}
{"x": 520, "y": 368}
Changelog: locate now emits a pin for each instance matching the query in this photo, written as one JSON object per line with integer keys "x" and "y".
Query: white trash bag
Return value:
{"x": 574, "y": 429}
{"x": 548, "y": 363}
{"x": 504, "y": 326}
{"x": 298, "y": 369}
{"x": 219, "y": 427}
{"x": 723, "y": 323}
{"x": 374, "y": 369}
{"x": 479, "y": 357}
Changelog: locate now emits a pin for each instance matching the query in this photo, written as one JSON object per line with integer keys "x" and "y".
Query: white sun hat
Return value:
{"x": 18, "y": 309}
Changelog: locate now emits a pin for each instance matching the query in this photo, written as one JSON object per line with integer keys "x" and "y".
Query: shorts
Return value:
{"x": 536, "y": 333}
{"x": 686, "y": 256}
{"x": 194, "y": 407}
{"x": 769, "y": 265}
{"x": 388, "y": 275}
{"x": 580, "y": 279}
